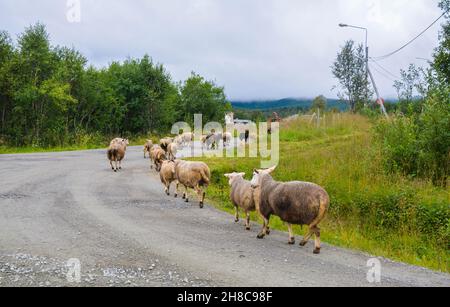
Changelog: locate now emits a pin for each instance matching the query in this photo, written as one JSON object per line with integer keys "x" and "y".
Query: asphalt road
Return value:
{"x": 125, "y": 231}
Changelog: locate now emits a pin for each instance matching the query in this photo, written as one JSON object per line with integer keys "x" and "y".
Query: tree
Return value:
{"x": 320, "y": 102}
{"x": 349, "y": 68}
{"x": 203, "y": 97}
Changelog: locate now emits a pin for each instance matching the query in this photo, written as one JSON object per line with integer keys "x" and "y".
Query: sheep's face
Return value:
{"x": 258, "y": 174}
{"x": 231, "y": 177}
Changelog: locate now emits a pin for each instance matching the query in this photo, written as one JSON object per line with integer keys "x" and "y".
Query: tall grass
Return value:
{"x": 387, "y": 215}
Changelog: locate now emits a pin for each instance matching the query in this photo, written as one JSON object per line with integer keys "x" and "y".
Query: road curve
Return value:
{"x": 124, "y": 231}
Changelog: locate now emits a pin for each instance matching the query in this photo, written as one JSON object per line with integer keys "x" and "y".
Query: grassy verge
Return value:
{"x": 384, "y": 215}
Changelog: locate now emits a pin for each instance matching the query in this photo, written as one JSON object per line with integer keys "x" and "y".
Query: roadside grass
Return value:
{"x": 384, "y": 215}
{"x": 98, "y": 144}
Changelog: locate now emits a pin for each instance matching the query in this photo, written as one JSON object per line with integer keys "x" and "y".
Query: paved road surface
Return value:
{"x": 125, "y": 231}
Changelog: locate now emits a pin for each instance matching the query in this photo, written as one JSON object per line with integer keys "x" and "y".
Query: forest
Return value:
{"x": 51, "y": 96}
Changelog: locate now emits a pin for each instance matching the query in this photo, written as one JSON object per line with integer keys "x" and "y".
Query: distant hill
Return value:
{"x": 301, "y": 103}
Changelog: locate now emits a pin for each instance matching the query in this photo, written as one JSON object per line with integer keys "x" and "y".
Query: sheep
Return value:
{"x": 301, "y": 203}
{"x": 116, "y": 153}
{"x": 172, "y": 149}
{"x": 178, "y": 140}
{"x": 187, "y": 138}
{"x": 157, "y": 155}
{"x": 167, "y": 174}
{"x": 147, "y": 147}
{"x": 241, "y": 195}
{"x": 209, "y": 141}
{"x": 165, "y": 142}
{"x": 193, "y": 175}
{"x": 227, "y": 136}
{"x": 122, "y": 141}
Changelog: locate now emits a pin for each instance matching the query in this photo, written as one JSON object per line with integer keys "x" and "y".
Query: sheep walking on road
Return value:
{"x": 194, "y": 175}
{"x": 147, "y": 147}
{"x": 241, "y": 195}
{"x": 167, "y": 174}
{"x": 116, "y": 153}
{"x": 172, "y": 149}
{"x": 157, "y": 155}
{"x": 300, "y": 203}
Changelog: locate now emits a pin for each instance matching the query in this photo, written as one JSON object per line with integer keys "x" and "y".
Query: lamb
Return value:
{"x": 157, "y": 155}
{"x": 147, "y": 147}
{"x": 300, "y": 203}
{"x": 116, "y": 153}
{"x": 194, "y": 175}
{"x": 241, "y": 195}
{"x": 164, "y": 143}
{"x": 167, "y": 174}
{"x": 172, "y": 149}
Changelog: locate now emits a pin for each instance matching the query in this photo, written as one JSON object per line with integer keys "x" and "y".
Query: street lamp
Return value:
{"x": 343, "y": 25}
{"x": 379, "y": 99}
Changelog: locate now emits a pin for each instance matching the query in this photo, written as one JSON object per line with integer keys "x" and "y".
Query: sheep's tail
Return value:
{"x": 205, "y": 176}
{"x": 112, "y": 153}
{"x": 324, "y": 203}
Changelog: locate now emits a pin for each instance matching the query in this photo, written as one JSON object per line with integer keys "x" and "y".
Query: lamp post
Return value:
{"x": 368, "y": 73}
{"x": 343, "y": 25}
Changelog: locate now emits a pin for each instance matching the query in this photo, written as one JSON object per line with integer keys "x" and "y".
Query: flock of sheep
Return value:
{"x": 295, "y": 203}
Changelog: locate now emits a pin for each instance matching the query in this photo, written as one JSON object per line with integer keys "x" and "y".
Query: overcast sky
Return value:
{"x": 256, "y": 49}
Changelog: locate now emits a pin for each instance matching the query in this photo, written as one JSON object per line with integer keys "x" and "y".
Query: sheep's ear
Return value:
{"x": 255, "y": 171}
{"x": 227, "y": 175}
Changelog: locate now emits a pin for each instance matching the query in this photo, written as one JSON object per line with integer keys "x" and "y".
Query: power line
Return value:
{"x": 382, "y": 74}
{"x": 411, "y": 41}
{"x": 384, "y": 69}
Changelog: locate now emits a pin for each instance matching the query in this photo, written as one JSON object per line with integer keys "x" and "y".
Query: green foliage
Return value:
{"x": 49, "y": 97}
{"x": 390, "y": 215}
{"x": 349, "y": 69}
{"x": 201, "y": 96}
{"x": 320, "y": 102}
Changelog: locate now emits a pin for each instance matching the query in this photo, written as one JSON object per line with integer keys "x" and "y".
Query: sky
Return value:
{"x": 256, "y": 49}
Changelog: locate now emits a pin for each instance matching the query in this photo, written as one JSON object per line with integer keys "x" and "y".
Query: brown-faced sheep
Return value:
{"x": 167, "y": 174}
{"x": 147, "y": 147}
{"x": 300, "y": 203}
{"x": 194, "y": 175}
{"x": 241, "y": 195}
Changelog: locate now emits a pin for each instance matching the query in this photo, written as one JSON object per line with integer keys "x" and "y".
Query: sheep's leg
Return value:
{"x": 115, "y": 163}
{"x": 176, "y": 189}
{"x": 307, "y": 236}
{"x": 317, "y": 240}
{"x": 186, "y": 194}
{"x": 264, "y": 230}
{"x": 247, "y": 221}
{"x": 236, "y": 215}
{"x": 291, "y": 235}
{"x": 110, "y": 163}
{"x": 201, "y": 195}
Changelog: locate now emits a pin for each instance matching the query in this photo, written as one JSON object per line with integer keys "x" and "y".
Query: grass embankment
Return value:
{"x": 96, "y": 144}
{"x": 385, "y": 215}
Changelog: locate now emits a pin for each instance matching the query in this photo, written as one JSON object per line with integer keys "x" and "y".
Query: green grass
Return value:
{"x": 384, "y": 215}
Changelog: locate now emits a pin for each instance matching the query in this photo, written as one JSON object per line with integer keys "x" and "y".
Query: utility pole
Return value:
{"x": 380, "y": 100}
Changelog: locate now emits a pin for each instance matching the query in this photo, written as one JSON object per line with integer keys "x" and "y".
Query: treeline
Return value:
{"x": 50, "y": 96}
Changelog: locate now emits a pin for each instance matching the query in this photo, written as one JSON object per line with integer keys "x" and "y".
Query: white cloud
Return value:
{"x": 255, "y": 48}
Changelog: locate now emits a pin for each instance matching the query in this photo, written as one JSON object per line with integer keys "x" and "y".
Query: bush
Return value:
{"x": 399, "y": 144}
